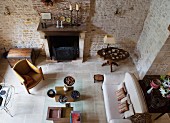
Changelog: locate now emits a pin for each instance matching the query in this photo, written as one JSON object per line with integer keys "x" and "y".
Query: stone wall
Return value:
{"x": 161, "y": 64}
{"x": 154, "y": 35}
{"x": 123, "y": 19}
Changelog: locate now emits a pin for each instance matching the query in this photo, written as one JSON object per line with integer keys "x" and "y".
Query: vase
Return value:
{"x": 150, "y": 90}
{"x": 65, "y": 88}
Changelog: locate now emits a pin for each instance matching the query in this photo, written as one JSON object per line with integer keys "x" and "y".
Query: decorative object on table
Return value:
{"x": 75, "y": 117}
{"x": 67, "y": 93}
{"x": 51, "y": 93}
{"x": 69, "y": 80}
{"x": 46, "y": 16}
{"x": 165, "y": 86}
{"x": 62, "y": 99}
{"x": 109, "y": 39}
{"x": 62, "y": 18}
{"x": 65, "y": 88}
{"x": 75, "y": 94}
{"x": 155, "y": 84}
{"x": 98, "y": 78}
{"x": 57, "y": 24}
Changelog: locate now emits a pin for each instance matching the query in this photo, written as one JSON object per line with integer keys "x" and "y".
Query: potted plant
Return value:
{"x": 165, "y": 86}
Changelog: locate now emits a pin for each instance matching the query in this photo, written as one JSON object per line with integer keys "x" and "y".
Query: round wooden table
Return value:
{"x": 112, "y": 55}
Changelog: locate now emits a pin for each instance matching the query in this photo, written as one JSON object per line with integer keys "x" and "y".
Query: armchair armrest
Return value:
{"x": 37, "y": 70}
{"x": 19, "y": 77}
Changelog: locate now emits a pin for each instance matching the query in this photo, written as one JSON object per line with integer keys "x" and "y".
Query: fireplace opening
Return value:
{"x": 63, "y": 47}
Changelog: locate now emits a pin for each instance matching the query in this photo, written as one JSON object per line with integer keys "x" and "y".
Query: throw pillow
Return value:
{"x": 27, "y": 79}
{"x": 127, "y": 98}
{"x": 123, "y": 107}
{"x": 130, "y": 112}
{"x": 122, "y": 85}
{"x": 120, "y": 94}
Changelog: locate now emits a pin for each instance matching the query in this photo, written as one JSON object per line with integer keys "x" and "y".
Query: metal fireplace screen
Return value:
{"x": 65, "y": 53}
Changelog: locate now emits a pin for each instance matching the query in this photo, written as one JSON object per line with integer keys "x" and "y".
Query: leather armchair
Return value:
{"x": 28, "y": 74}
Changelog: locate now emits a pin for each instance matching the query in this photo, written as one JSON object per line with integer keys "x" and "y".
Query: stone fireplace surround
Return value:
{"x": 51, "y": 30}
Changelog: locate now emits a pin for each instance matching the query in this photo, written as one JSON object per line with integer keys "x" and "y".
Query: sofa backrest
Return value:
{"x": 136, "y": 95}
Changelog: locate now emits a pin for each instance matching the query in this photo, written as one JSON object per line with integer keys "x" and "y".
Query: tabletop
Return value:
{"x": 155, "y": 102}
{"x": 113, "y": 53}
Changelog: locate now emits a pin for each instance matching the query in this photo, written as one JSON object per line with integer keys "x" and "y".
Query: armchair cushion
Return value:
{"x": 22, "y": 68}
{"x": 27, "y": 79}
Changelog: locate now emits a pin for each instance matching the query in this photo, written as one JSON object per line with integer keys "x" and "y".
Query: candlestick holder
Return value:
{"x": 71, "y": 17}
{"x": 77, "y": 18}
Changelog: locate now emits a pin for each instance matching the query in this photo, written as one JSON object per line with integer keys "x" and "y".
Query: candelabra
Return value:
{"x": 77, "y": 15}
{"x": 71, "y": 17}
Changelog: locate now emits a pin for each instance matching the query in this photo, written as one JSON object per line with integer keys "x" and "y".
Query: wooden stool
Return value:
{"x": 98, "y": 78}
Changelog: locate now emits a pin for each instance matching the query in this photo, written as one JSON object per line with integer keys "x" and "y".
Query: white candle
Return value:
{"x": 77, "y": 7}
{"x": 70, "y": 6}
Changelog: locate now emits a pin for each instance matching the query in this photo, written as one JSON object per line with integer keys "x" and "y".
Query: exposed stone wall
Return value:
{"x": 161, "y": 64}
{"x": 123, "y": 19}
{"x": 154, "y": 35}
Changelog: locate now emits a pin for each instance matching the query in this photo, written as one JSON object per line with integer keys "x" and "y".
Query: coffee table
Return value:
{"x": 60, "y": 91}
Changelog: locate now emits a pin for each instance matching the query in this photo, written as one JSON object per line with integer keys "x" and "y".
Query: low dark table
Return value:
{"x": 112, "y": 55}
{"x": 155, "y": 102}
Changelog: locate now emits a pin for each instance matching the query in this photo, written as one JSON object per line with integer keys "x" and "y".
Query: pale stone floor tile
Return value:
{"x": 33, "y": 108}
{"x": 33, "y": 118}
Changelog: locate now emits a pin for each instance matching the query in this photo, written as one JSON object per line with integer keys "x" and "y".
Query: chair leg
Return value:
{"x": 41, "y": 73}
{"x": 28, "y": 91}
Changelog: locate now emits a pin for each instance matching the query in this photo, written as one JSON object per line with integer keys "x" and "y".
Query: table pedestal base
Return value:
{"x": 111, "y": 63}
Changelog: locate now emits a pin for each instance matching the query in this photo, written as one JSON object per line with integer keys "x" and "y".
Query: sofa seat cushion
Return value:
{"x": 120, "y": 121}
{"x": 111, "y": 102}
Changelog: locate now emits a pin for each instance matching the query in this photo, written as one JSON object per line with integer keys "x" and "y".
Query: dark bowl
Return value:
{"x": 51, "y": 93}
{"x": 69, "y": 80}
{"x": 75, "y": 94}
{"x": 62, "y": 99}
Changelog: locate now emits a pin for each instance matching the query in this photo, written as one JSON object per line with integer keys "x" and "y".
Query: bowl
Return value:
{"x": 51, "y": 93}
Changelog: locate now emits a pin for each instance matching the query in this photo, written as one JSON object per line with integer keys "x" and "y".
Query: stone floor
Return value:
{"x": 33, "y": 108}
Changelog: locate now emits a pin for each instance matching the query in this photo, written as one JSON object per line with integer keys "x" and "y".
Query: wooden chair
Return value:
{"x": 28, "y": 74}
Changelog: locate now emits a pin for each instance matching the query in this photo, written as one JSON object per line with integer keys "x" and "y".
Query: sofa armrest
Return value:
{"x": 113, "y": 79}
{"x": 120, "y": 121}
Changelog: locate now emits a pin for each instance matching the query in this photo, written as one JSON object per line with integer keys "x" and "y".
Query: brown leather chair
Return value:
{"x": 28, "y": 74}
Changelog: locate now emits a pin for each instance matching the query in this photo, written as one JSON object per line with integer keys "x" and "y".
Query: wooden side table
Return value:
{"x": 59, "y": 114}
{"x": 16, "y": 54}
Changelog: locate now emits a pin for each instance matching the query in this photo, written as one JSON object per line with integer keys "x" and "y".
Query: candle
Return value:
{"x": 77, "y": 7}
{"x": 70, "y": 7}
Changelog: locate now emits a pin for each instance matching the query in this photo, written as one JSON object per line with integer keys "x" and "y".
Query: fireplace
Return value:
{"x": 63, "y": 43}
{"x": 63, "y": 47}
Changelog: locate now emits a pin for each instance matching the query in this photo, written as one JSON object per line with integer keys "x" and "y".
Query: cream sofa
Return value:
{"x": 110, "y": 86}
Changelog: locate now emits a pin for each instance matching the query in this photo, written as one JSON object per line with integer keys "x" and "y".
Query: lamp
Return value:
{"x": 109, "y": 39}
